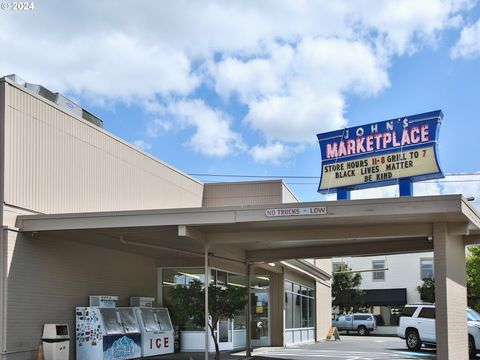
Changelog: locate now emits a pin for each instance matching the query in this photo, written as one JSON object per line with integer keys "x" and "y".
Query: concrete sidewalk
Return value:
{"x": 225, "y": 355}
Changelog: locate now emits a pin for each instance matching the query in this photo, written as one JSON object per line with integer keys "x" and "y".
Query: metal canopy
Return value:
{"x": 246, "y": 234}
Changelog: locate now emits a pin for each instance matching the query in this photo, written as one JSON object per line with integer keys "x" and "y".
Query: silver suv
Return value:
{"x": 417, "y": 327}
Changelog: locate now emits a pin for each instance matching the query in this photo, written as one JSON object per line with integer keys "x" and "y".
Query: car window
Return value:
{"x": 348, "y": 318}
{"x": 362, "y": 317}
{"x": 427, "y": 313}
{"x": 472, "y": 315}
{"x": 408, "y": 311}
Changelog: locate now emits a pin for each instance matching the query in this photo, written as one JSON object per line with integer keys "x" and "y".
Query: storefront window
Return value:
{"x": 299, "y": 306}
{"x": 221, "y": 278}
{"x": 180, "y": 277}
{"x": 172, "y": 277}
{"x": 239, "y": 322}
{"x": 304, "y": 309}
{"x": 288, "y": 305}
{"x": 183, "y": 276}
{"x": 311, "y": 307}
{"x": 260, "y": 282}
{"x": 237, "y": 280}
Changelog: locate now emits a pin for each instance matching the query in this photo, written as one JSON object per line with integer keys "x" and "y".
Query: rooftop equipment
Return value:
{"x": 62, "y": 101}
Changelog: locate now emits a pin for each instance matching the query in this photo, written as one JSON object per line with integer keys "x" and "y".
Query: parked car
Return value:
{"x": 362, "y": 323}
{"x": 417, "y": 327}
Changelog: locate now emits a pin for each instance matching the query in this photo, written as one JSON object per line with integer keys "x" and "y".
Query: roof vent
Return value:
{"x": 62, "y": 101}
{"x": 92, "y": 118}
{"x": 17, "y": 79}
{"x": 67, "y": 104}
{"x": 42, "y": 91}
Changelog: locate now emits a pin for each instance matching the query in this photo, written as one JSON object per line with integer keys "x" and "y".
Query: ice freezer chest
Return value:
{"x": 107, "y": 334}
{"x": 157, "y": 331}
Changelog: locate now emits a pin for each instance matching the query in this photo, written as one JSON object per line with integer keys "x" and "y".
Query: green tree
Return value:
{"x": 427, "y": 290}
{"x": 473, "y": 277}
{"x": 224, "y": 302}
{"x": 346, "y": 293}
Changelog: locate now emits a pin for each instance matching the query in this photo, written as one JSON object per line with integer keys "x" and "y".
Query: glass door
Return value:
{"x": 225, "y": 331}
{"x": 260, "y": 300}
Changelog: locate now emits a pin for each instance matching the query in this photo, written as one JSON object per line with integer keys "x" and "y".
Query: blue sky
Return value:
{"x": 242, "y": 87}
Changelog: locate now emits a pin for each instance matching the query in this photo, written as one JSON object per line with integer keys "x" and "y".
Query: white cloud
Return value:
{"x": 275, "y": 153}
{"x": 159, "y": 125}
{"x": 296, "y": 118}
{"x": 142, "y": 144}
{"x": 405, "y": 25}
{"x": 468, "y": 46}
{"x": 292, "y": 63}
{"x": 467, "y": 185}
{"x": 213, "y": 135}
{"x": 255, "y": 78}
{"x": 309, "y": 98}
{"x": 111, "y": 67}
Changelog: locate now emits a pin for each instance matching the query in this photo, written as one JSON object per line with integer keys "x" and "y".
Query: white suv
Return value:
{"x": 417, "y": 326}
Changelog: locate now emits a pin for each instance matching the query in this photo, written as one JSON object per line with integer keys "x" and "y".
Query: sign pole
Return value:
{"x": 406, "y": 187}
{"x": 343, "y": 194}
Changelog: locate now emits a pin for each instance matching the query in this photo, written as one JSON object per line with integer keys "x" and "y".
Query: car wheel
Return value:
{"x": 472, "y": 350}
{"x": 362, "y": 330}
{"x": 413, "y": 340}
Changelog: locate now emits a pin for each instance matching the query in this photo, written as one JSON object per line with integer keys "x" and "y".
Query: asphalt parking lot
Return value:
{"x": 349, "y": 348}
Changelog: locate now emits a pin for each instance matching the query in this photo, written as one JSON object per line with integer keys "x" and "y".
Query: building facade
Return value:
{"x": 389, "y": 282}
{"x": 57, "y": 161}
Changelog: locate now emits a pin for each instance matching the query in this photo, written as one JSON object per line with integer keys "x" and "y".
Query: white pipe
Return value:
{"x": 206, "y": 301}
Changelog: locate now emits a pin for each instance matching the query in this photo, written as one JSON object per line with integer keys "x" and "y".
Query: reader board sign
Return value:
{"x": 381, "y": 153}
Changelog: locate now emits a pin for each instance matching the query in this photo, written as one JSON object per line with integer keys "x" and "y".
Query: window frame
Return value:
{"x": 433, "y": 268}
{"x": 376, "y": 272}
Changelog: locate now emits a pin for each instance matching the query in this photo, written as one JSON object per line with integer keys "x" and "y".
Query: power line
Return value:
{"x": 318, "y": 177}
{"x": 258, "y": 176}
{"x": 316, "y": 183}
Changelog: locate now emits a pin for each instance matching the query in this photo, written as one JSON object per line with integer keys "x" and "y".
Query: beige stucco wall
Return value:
{"x": 288, "y": 196}
{"x": 47, "y": 278}
{"x": 56, "y": 162}
{"x": 247, "y": 193}
{"x": 324, "y": 309}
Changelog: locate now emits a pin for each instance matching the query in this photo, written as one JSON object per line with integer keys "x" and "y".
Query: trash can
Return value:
{"x": 56, "y": 342}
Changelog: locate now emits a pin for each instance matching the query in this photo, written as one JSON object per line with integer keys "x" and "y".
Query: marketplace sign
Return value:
{"x": 382, "y": 153}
